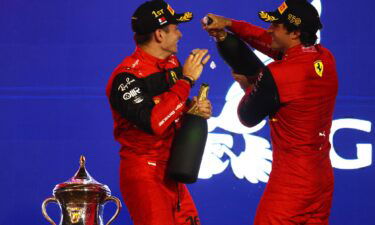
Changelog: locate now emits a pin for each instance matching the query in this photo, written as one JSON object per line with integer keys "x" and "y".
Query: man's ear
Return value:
{"x": 158, "y": 35}
{"x": 296, "y": 34}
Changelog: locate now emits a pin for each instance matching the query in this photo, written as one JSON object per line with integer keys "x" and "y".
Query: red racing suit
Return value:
{"x": 148, "y": 98}
{"x": 305, "y": 83}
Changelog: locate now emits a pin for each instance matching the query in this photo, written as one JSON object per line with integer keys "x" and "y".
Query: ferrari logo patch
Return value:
{"x": 319, "y": 67}
{"x": 282, "y": 8}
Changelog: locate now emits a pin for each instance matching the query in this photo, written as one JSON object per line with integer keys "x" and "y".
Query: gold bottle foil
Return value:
{"x": 202, "y": 95}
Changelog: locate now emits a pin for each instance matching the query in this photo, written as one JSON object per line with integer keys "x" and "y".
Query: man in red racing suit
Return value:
{"x": 148, "y": 93}
{"x": 297, "y": 91}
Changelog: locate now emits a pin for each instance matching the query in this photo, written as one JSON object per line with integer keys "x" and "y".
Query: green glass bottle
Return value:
{"x": 188, "y": 144}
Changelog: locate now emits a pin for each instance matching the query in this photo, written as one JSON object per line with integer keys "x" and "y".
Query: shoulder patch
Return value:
{"x": 319, "y": 67}
{"x": 130, "y": 65}
{"x": 137, "y": 67}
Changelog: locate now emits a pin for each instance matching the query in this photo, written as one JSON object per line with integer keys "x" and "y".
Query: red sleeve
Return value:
{"x": 131, "y": 98}
{"x": 169, "y": 106}
{"x": 255, "y": 36}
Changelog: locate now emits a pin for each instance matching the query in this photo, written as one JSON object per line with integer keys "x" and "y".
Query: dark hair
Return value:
{"x": 307, "y": 38}
{"x": 142, "y": 39}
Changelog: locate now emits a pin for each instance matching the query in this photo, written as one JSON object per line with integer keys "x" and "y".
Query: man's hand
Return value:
{"x": 218, "y": 22}
{"x": 204, "y": 107}
{"x": 242, "y": 80}
{"x": 194, "y": 64}
{"x": 219, "y": 35}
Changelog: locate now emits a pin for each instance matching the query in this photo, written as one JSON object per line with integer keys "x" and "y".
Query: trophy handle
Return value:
{"x": 118, "y": 204}
{"x": 44, "y": 211}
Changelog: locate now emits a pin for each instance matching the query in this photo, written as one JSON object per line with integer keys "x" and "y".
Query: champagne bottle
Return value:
{"x": 235, "y": 52}
{"x": 238, "y": 55}
{"x": 189, "y": 143}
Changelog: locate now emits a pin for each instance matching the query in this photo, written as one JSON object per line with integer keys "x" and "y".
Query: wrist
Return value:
{"x": 228, "y": 22}
{"x": 221, "y": 35}
{"x": 189, "y": 79}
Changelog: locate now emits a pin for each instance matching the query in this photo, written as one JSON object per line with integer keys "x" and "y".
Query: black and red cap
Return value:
{"x": 298, "y": 13}
{"x": 156, "y": 14}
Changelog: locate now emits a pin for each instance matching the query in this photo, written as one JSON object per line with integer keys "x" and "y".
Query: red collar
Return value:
{"x": 160, "y": 63}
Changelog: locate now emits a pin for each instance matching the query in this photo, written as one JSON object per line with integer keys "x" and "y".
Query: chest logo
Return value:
{"x": 319, "y": 67}
{"x": 174, "y": 77}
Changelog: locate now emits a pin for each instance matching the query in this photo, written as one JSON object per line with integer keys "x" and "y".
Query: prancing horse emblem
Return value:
{"x": 319, "y": 67}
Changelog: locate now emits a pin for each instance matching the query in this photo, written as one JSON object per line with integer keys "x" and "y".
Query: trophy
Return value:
{"x": 81, "y": 200}
{"x": 188, "y": 145}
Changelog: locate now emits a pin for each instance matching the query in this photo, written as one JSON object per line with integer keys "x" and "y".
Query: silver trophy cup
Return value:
{"x": 81, "y": 200}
